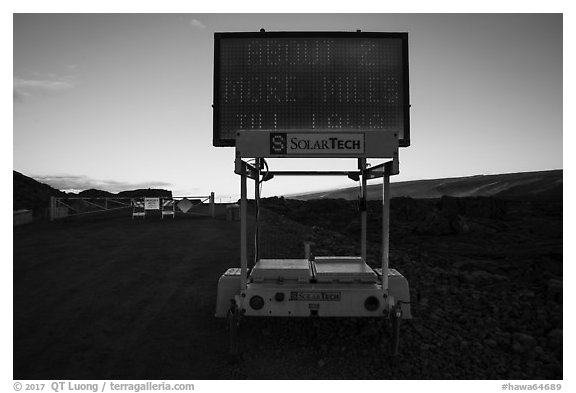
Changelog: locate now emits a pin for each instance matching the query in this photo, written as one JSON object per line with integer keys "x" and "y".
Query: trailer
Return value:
{"x": 286, "y": 76}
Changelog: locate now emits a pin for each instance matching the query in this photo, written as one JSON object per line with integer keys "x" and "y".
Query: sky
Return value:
{"x": 123, "y": 101}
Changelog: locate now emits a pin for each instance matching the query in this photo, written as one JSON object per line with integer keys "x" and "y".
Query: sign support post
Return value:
{"x": 363, "y": 207}
{"x": 257, "y": 207}
{"x": 212, "y": 206}
{"x": 243, "y": 233}
{"x": 385, "y": 226}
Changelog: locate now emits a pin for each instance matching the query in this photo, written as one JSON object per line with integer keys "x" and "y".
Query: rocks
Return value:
{"x": 484, "y": 207}
{"x": 531, "y": 365}
{"x": 503, "y": 338}
{"x": 490, "y": 343}
{"x": 517, "y": 347}
{"x": 423, "y": 303}
{"x": 438, "y": 315}
{"x": 554, "y": 338}
{"x": 554, "y": 290}
{"x": 459, "y": 225}
{"x": 266, "y": 332}
{"x": 522, "y": 343}
{"x": 481, "y": 276}
{"x": 523, "y": 338}
{"x": 439, "y": 223}
{"x": 434, "y": 224}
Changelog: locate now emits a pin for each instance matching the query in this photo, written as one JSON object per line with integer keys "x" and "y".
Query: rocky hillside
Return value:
{"x": 544, "y": 185}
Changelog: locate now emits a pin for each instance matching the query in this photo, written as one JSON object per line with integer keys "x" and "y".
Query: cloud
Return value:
{"x": 43, "y": 84}
{"x": 80, "y": 183}
{"x": 26, "y": 87}
{"x": 18, "y": 96}
{"x": 197, "y": 24}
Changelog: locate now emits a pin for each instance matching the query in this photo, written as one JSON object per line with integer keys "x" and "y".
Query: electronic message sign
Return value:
{"x": 310, "y": 81}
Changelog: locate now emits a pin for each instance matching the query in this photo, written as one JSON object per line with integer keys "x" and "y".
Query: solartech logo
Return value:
{"x": 320, "y": 143}
{"x": 278, "y": 143}
{"x": 315, "y": 296}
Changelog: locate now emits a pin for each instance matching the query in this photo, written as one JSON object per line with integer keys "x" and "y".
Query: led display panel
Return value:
{"x": 325, "y": 81}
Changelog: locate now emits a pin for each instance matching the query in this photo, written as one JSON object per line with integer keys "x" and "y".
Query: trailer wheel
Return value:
{"x": 395, "y": 318}
{"x": 233, "y": 324}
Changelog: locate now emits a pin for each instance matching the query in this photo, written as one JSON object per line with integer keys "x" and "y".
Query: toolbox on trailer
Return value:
{"x": 343, "y": 270}
{"x": 281, "y": 270}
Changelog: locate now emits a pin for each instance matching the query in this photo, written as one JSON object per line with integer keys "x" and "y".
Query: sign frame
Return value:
{"x": 258, "y": 143}
{"x": 403, "y": 36}
{"x": 151, "y": 203}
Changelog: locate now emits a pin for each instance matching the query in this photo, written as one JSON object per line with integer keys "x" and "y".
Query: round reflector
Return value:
{"x": 371, "y": 303}
{"x": 256, "y": 302}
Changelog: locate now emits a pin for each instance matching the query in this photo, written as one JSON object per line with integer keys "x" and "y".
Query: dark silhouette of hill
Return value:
{"x": 149, "y": 192}
{"x": 31, "y": 194}
{"x": 138, "y": 193}
{"x": 544, "y": 185}
{"x": 94, "y": 193}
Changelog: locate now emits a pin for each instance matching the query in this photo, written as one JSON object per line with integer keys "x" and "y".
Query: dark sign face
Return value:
{"x": 310, "y": 81}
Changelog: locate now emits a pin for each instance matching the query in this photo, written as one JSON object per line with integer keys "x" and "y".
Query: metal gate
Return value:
{"x": 66, "y": 207}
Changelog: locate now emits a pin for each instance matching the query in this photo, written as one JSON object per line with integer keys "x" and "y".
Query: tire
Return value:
{"x": 395, "y": 318}
{"x": 233, "y": 324}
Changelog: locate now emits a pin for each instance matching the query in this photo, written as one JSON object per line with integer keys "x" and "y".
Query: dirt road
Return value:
{"x": 121, "y": 299}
